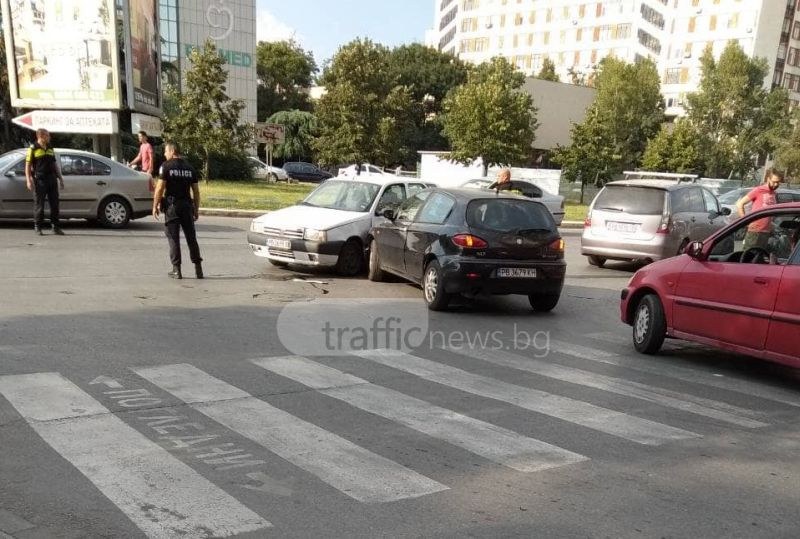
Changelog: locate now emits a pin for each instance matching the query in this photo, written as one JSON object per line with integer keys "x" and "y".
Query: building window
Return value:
{"x": 447, "y": 19}
{"x": 649, "y": 41}
{"x": 796, "y": 30}
{"x": 712, "y": 24}
{"x": 672, "y": 76}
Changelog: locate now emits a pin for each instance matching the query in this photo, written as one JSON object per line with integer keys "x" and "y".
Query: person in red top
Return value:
{"x": 759, "y": 232}
{"x": 145, "y": 156}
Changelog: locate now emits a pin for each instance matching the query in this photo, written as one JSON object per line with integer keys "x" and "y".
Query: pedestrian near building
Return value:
{"x": 177, "y": 196}
{"x": 759, "y": 232}
{"x": 44, "y": 178}
{"x": 145, "y": 157}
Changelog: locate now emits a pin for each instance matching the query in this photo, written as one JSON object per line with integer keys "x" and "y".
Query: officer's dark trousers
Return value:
{"x": 45, "y": 190}
{"x": 183, "y": 219}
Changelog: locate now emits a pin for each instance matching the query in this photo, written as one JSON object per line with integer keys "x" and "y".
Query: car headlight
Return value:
{"x": 255, "y": 226}
{"x": 312, "y": 234}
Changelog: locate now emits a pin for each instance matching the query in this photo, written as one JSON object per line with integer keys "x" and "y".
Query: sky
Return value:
{"x": 322, "y": 26}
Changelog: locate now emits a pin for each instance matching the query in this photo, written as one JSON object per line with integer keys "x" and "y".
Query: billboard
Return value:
{"x": 62, "y": 54}
{"x": 143, "y": 56}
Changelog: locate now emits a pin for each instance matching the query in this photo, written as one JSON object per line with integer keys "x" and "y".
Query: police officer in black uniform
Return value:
{"x": 178, "y": 197}
{"x": 41, "y": 173}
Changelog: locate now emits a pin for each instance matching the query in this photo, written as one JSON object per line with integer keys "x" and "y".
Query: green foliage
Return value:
{"x": 737, "y": 120}
{"x": 674, "y": 149}
{"x": 300, "y": 128}
{"x": 628, "y": 110}
{"x": 284, "y": 72}
{"x": 489, "y": 117}
{"x": 787, "y": 154}
{"x": 548, "y": 71}
{"x": 365, "y": 114}
{"x": 205, "y": 121}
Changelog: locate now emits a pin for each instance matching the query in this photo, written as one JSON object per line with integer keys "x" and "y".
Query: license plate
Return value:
{"x": 517, "y": 273}
{"x": 279, "y": 244}
{"x": 625, "y": 228}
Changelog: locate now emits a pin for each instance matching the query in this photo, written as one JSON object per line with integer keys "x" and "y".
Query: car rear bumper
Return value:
{"x": 615, "y": 248}
{"x": 470, "y": 276}
{"x": 306, "y": 253}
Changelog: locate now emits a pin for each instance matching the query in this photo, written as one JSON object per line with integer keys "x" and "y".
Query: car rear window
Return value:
{"x": 630, "y": 199}
{"x": 507, "y": 215}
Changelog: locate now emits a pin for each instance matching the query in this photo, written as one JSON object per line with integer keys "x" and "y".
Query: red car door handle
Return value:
{"x": 760, "y": 280}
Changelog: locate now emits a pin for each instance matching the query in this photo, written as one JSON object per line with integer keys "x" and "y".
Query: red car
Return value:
{"x": 739, "y": 290}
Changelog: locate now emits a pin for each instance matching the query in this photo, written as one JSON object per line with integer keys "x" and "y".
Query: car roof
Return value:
{"x": 667, "y": 185}
{"x": 466, "y": 194}
{"x": 82, "y": 153}
{"x": 376, "y": 179}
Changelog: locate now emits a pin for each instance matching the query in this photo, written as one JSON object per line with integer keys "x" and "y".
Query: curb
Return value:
{"x": 251, "y": 214}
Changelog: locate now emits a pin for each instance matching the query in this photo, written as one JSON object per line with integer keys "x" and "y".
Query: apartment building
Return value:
{"x": 577, "y": 34}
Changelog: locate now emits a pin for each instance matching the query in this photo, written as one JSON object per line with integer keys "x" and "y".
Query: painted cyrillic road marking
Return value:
{"x": 587, "y": 415}
{"x": 345, "y": 466}
{"x": 490, "y": 441}
{"x": 664, "y": 397}
{"x": 161, "y": 495}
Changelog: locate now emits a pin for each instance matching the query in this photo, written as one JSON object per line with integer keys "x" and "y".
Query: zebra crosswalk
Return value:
{"x": 164, "y": 495}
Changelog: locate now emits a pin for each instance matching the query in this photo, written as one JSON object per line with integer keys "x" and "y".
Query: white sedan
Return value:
{"x": 554, "y": 203}
{"x": 262, "y": 171}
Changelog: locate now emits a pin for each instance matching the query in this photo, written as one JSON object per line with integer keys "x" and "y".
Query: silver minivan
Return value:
{"x": 648, "y": 220}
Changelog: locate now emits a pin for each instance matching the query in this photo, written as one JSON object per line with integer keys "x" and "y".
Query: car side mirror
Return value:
{"x": 389, "y": 214}
{"x": 725, "y": 211}
{"x": 695, "y": 250}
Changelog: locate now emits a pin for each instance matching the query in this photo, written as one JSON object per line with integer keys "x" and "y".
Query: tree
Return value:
{"x": 548, "y": 71}
{"x": 205, "y": 121}
{"x": 366, "y": 115}
{"x": 737, "y": 120}
{"x": 674, "y": 149}
{"x": 285, "y": 71}
{"x": 300, "y": 128}
{"x": 489, "y": 117}
{"x": 787, "y": 153}
{"x": 627, "y": 111}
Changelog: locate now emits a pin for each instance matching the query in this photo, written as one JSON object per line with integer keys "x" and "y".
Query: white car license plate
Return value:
{"x": 625, "y": 228}
{"x": 518, "y": 273}
{"x": 279, "y": 244}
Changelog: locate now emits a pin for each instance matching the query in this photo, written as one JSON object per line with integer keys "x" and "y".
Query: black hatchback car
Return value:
{"x": 463, "y": 241}
{"x": 305, "y": 172}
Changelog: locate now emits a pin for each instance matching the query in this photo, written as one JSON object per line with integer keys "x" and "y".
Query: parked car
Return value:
{"x": 305, "y": 172}
{"x": 95, "y": 188}
{"x": 724, "y": 292}
{"x": 554, "y": 203}
{"x": 468, "y": 241}
{"x": 263, "y": 171}
{"x": 330, "y": 227}
{"x": 364, "y": 170}
{"x": 729, "y": 199}
{"x": 648, "y": 220}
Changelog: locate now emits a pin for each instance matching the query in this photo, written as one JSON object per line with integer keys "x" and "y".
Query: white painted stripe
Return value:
{"x": 345, "y": 466}
{"x": 611, "y": 337}
{"x": 161, "y": 495}
{"x": 588, "y": 415}
{"x": 664, "y": 397}
{"x": 699, "y": 376}
{"x": 576, "y": 350}
{"x": 490, "y": 441}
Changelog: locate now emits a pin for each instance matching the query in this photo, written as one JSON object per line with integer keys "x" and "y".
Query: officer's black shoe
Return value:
{"x": 175, "y": 273}
{"x": 57, "y": 231}
{"x": 198, "y": 270}
{"x": 38, "y": 231}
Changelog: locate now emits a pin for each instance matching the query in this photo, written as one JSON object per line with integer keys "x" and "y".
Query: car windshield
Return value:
{"x": 630, "y": 199}
{"x": 509, "y": 215}
{"x": 343, "y": 195}
{"x": 731, "y": 197}
{"x": 8, "y": 159}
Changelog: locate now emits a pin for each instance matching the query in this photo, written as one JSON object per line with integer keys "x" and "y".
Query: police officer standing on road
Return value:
{"x": 41, "y": 173}
{"x": 178, "y": 197}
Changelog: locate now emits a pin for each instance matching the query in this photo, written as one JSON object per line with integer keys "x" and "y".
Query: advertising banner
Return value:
{"x": 62, "y": 54}
{"x": 143, "y": 56}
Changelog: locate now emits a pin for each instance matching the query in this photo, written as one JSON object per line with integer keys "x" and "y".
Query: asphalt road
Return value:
{"x": 132, "y": 405}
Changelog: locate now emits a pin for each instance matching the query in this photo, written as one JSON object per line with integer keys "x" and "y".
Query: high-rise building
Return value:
{"x": 577, "y": 34}
{"x": 230, "y": 24}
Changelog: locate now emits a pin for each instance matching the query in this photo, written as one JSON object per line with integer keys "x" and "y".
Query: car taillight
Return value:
{"x": 665, "y": 225}
{"x": 587, "y": 223}
{"x": 557, "y": 246}
{"x": 151, "y": 185}
{"x": 468, "y": 241}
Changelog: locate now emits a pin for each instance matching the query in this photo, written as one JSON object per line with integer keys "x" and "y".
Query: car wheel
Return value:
{"x": 278, "y": 263}
{"x": 649, "y": 325}
{"x": 374, "y": 273}
{"x": 433, "y": 287}
{"x": 272, "y": 177}
{"x": 543, "y": 302}
{"x": 114, "y": 212}
{"x": 595, "y": 260}
{"x": 351, "y": 260}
